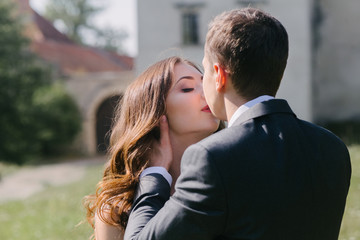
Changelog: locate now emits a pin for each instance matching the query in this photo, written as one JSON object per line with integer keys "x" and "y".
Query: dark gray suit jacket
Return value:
{"x": 270, "y": 176}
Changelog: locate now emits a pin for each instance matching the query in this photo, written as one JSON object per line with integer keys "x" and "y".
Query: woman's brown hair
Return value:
{"x": 134, "y": 130}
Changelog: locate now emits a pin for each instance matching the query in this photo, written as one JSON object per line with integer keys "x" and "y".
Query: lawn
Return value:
{"x": 51, "y": 214}
{"x": 56, "y": 212}
{"x": 350, "y": 229}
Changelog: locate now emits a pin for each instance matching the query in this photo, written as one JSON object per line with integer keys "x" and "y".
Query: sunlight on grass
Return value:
{"x": 51, "y": 214}
{"x": 7, "y": 168}
{"x": 54, "y": 213}
{"x": 350, "y": 229}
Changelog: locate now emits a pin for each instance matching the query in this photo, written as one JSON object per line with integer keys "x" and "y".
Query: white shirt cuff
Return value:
{"x": 160, "y": 170}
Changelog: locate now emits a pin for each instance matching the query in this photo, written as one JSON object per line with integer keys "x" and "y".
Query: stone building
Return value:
{"x": 321, "y": 81}
{"x": 168, "y": 27}
{"x": 95, "y": 78}
{"x": 336, "y": 61}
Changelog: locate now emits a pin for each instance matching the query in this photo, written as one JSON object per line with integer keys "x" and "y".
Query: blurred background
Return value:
{"x": 64, "y": 65}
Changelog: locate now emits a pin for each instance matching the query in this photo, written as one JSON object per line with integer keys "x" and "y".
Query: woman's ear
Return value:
{"x": 221, "y": 77}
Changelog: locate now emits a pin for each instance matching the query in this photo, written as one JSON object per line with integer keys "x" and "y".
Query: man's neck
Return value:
{"x": 232, "y": 103}
{"x": 245, "y": 106}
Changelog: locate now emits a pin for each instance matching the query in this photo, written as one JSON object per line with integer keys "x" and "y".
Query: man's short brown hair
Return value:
{"x": 252, "y": 46}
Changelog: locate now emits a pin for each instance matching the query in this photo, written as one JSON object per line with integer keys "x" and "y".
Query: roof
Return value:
{"x": 70, "y": 58}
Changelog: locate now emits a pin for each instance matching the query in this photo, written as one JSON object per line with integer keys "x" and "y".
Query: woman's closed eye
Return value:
{"x": 187, "y": 89}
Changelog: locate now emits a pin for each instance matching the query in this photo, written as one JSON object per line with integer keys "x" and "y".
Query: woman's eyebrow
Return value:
{"x": 185, "y": 77}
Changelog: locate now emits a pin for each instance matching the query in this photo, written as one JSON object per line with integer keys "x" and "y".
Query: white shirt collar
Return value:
{"x": 246, "y": 106}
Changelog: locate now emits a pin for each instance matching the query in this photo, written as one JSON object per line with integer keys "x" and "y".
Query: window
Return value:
{"x": 252, "y": 3}
{"x": 190, "y": 28}
{"x": 190, "y": 21}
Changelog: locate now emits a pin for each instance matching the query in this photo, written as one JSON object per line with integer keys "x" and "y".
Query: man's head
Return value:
{"x": 251, "y": 47}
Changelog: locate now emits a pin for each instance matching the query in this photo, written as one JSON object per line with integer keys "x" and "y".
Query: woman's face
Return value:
{"x": 187, "y": 110}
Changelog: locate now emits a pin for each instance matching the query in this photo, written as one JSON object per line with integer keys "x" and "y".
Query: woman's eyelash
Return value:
{"x": 187, "y": 89}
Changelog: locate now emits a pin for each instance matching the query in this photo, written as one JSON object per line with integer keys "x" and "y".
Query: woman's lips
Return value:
{"x": 206, "y": 109}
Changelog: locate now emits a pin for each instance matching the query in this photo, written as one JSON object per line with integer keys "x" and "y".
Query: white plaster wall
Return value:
{"x": 337, "y": 72}
{"x": 160, "y": 36}
{"x": 296, "y": 86}
{"x": 157, "y": 32}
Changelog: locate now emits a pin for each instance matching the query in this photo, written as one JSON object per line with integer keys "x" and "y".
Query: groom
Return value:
{"x": 269, "y": 175}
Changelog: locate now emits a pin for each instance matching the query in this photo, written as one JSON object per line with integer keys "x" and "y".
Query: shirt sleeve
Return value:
{"x": 197, "y": 209}
{"x": 159, "y": 170}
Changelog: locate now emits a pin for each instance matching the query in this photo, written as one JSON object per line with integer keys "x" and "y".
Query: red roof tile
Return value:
{"x": 74, "y": 59}
{"x": 55, "y": 47}
{"x": 48, "y": 31}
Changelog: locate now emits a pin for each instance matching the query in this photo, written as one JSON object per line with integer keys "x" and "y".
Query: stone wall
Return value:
{"x": 90, "y": 91}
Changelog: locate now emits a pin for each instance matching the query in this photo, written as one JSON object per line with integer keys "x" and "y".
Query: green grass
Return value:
{"x": 55, "y": 212}
{"x": 7, "y": 168}
{"x": 51, "y": 214}
{"x": 350, "y": 229}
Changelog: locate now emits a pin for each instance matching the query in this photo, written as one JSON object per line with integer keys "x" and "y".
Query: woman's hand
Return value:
{"x": 161, "y": 155}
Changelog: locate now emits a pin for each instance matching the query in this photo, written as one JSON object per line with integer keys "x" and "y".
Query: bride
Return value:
{"x": 169, "y": 90}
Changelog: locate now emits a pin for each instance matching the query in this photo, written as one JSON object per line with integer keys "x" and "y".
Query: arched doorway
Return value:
{"x": 104, "y": 117}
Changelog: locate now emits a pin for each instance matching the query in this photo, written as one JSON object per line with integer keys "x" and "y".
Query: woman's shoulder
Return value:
{"x": 104, "y": 230}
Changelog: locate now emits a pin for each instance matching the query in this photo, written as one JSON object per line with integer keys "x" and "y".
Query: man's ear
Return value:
{"x": 221, "y": 77}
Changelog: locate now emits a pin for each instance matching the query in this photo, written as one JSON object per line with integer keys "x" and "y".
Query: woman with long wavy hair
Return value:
{"x": 172, "y": 88}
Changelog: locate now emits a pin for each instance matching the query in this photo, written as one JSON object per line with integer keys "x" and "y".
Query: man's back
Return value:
{"x": 270, "y": 176}
{"x": 283, "y": 178}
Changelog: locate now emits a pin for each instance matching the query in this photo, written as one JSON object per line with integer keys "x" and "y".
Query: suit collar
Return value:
{"x": 265, "y": 108}
{"x": 243, "y": 108}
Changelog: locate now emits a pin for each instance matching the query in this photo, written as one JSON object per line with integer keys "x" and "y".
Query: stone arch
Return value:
{"x": 90, "y": 91}
{"x": 104, "y": 117}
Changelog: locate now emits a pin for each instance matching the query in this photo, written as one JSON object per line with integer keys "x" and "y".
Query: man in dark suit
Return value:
{"x": 269, "y": 175}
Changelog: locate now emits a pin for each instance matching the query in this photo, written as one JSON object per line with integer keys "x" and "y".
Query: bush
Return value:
{"x": 36, "y": 114}
{"x": 57, "y": 117}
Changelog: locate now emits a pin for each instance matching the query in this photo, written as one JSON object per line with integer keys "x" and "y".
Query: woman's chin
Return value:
{"x": 208, "y": 133}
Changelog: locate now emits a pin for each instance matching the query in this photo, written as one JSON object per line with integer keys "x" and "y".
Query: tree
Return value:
{"x": 111, "y": 40}
{"x": 75, "y": 15}
{"x": 22, "y": 80}
{"x": 73, "y": 18}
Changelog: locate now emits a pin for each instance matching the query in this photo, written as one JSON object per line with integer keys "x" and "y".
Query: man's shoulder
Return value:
{"x": 315, "y": 130}
{"x": 247, "y": 131}
{"x": 219, "y": 141}
{"x": 207, "y": 156}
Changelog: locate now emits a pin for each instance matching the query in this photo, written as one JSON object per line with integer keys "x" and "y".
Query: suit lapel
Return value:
{"x": 265, "y": 108}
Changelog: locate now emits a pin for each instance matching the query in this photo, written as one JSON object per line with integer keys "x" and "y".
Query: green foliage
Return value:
{"x": 24, "y": 83}
{"x": 18, "y": 78}
{"x": 74, "y": 17}
{"x": 58, "y": 118}
{"x": 111, "y": 40}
